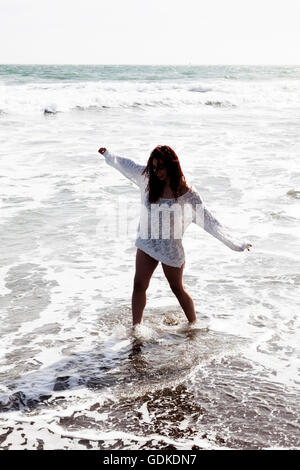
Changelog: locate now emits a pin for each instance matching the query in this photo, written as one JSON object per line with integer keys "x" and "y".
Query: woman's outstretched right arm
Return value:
{"x": 127, "y": 167}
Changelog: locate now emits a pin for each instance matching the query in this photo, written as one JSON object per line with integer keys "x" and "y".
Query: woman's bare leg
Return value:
{"x": 144, "y": 268}
{"x": 174, "y": 277}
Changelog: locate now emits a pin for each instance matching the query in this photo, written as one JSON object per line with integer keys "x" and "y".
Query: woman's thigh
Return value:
{"x": 174, "y": 275}
{"x": 144, "y": 268}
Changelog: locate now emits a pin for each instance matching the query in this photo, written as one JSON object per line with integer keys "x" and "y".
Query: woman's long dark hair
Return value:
{"x": 166, "y": 155}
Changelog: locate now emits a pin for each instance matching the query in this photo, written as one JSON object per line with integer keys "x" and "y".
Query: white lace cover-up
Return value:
{"x": 162, "y": 224}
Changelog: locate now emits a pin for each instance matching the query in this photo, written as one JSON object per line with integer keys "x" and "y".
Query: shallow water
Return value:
{"x": 72, "y": 373}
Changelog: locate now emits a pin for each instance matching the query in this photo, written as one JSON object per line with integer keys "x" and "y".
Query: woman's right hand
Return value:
{"x": 102, "y": 150}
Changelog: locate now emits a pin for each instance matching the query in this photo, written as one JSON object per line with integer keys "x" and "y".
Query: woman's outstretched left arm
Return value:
{"x": 203, "y": 217}
{"x": 127, "y": 167}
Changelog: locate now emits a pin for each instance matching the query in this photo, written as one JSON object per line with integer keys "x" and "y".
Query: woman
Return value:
{"x": 164, "y": 190}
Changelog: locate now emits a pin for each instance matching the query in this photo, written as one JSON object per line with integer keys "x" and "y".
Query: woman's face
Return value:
{"x": 159, "y": 169}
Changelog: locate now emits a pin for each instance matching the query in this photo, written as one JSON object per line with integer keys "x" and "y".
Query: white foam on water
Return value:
{"x": 54, "y": 436}
{"x": 56, "y": 97}
{"x": 143, "y": 332}
{"x": 3, "y": 272}
{"x": 145, "y": 413}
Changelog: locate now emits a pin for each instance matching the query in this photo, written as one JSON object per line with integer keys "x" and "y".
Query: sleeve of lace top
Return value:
{"x": 203, "y": 217}
{"x": 127, "y": 167}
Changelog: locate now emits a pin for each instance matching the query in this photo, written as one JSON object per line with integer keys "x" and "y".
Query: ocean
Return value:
{"x": 73, "y": 375}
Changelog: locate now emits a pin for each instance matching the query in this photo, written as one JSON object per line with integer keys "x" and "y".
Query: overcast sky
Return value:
{"x": 150, "y": 31}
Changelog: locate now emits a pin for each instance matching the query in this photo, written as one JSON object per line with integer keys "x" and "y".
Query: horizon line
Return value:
{"x": 157, "y": 65}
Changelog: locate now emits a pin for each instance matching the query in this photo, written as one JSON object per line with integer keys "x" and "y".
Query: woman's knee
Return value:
{"x": 177, "y": 289}
{"x": 139, "y": 285}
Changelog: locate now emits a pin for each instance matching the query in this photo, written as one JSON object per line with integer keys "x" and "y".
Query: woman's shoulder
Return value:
{"x": 193, "y": 194}
{"x": 188, "y": 189}
{"x": 185, "y": 188}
